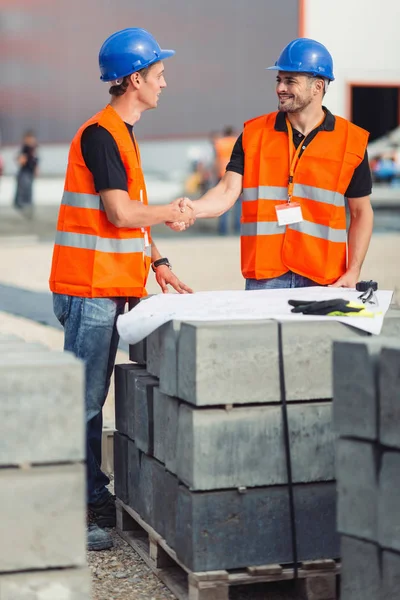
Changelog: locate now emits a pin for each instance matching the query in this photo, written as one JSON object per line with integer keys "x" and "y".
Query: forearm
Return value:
{"x": 123, "y": 212}
{"x": 359, "y": 236}
{"x": 219, "y": 199}
{"x": 155, "y": 254}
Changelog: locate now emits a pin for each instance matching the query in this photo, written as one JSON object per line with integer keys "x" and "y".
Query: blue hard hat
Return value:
{"x": 305, "y": 56}
{"x": 127, "y": 51}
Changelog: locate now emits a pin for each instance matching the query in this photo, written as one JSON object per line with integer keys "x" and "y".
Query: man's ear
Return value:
{"x": 135, "y": 79}
{"x": 319, "y": 85}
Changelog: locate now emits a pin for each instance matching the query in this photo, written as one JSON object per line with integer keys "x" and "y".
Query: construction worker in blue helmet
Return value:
{"x": 296, "y": 167}
{"x": 103, "y": 248}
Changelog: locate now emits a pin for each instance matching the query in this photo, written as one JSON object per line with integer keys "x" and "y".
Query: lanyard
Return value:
{"x": 294, "y": 156}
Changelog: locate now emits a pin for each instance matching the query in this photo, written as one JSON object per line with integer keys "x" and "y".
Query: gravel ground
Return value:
{"x": 119, "y": 574}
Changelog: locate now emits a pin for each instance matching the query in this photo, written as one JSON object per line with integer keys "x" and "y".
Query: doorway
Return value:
{"x": 375, "y": 108}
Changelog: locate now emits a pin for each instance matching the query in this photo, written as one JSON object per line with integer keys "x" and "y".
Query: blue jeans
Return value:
{"x": 90, "y": 333}
{"x": 287, "y": 280}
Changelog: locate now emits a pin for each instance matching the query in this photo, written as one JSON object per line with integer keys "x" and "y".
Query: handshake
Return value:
{"x": 182, "y": 214}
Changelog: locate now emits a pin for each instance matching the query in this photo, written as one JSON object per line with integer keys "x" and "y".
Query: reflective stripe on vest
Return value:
{"x": 272, "y": 228}
{"x": 93, "y": 242}
{"x": 266, "y": 192}
{"x": 79, "y": 200}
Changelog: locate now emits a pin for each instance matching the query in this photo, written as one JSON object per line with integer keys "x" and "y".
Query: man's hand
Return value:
{"x": 165, "y": 277}
{"x": 185, "y": 206}
{"x": 348, "y": 280}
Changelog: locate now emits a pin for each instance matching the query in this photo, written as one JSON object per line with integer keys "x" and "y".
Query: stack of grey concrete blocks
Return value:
{"x": 367, "y": 421}
{"x": 42, "y": 500}
{"x": 199, "y": 448}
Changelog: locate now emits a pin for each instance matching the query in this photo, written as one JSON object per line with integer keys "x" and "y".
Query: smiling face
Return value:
{"x": 296, "y": 91}
{"x": 150, "y": 85}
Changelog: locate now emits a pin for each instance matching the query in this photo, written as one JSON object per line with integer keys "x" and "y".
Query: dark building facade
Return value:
{"x": 49, "y": 72}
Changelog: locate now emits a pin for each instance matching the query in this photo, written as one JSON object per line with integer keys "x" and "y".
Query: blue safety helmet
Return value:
{"x": 128, "y": 51}
{"x": 305, "y": 56}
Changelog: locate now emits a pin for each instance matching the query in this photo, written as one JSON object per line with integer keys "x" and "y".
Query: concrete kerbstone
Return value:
{"x": 166, "y": 412}
{"x": 144, "y": 414}
{"x": 244, "y": 446}
{"x": 65, "y": 584}
{"x": 169, "y": 358}
{"x": 389, "y": 388}
{"x": 355, "y": 388}
{"x": 43, "y": 412}
{"x": 361, "y": 579}
{"x": 389, "y": 504}
{"x": 125, "y": 377}
{"x": 307, "y": 351}
{"x": 228, "y": 363}
{"x": 43, "y": 518}
{"x": 390, "y": 576}
{"x": 357, "y": 465}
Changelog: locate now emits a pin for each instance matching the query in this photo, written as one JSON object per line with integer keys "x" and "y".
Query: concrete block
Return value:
{"x": 124, "y": 395}
{"x": 244, "y": 446}
{"x": 121, "y": 467}
{"x": 169, "y": 358}
{"x": 360, "y": 575}
{"x": 389, "y": 504}
{"x": 43, "y": 523}
{"x": 357, "y": 484}
{"x": 228, "y": 530}
{"x": 166, "y": 410}
{"x": 165, "y": 504}
{"x": 137, "y": 353}
{"x": 355, "y": 388}
{"x": 390, "y": 576}
{"x": 144, "y": 414}
{"x": 389, "y": 388}
{"x": 134, "y": 463}
{"x": 228, "y": 363}
{"x": 307, "y": 350}
{"x": 391, "y": 323}
{"x": 147, "y": 480}
{"x": 42, "y": 404}
{"x": 65, "y": 584}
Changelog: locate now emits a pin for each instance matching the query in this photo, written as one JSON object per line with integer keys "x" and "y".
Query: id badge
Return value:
{"x": 289, "y": 213}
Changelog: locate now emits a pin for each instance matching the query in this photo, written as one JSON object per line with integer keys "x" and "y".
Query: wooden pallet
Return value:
{"x": 317, "y": 580}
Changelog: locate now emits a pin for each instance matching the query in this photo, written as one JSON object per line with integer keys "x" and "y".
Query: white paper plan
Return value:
{"x": 156, "y": 310}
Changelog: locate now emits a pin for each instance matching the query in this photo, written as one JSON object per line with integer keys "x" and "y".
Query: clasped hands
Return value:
{"x": 185, "y": 215}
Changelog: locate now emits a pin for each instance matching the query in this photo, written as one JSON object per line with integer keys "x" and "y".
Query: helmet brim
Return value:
{"x": 166, "y": 54}
{"x": 287, "y": 69}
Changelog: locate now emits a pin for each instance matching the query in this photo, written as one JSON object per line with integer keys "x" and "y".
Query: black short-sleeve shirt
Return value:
{"x": 361, "y": 182}
{"x": 103, "y": 159}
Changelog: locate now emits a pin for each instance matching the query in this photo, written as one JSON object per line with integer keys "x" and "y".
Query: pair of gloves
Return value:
{"x": 337, "y": 307}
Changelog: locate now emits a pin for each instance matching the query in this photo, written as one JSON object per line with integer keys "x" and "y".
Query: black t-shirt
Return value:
{"x": 103, "y": 159}
{"x": 361, "y": 182}
{"x": 29, "y": 152}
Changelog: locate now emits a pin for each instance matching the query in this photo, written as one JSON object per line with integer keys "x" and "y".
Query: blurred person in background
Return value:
{"x": 27, "y": 161}
{"x": 223, "y": 146}
{"x": 296, "y": 167}
{"x": 103, "y": 247}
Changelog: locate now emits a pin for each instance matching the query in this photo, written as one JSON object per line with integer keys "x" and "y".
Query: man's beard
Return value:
{"x": 295, "y": 105}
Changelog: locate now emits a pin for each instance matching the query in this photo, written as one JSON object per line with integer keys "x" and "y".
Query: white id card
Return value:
{"x": 289, "y": 213}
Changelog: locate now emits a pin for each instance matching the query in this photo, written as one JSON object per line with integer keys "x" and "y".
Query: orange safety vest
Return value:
{"x": 223, "y": 150}
{"x": 93, "y": 258}
{"x": 316, "y": 247}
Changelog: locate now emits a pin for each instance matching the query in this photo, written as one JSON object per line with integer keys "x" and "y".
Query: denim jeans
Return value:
{"x": 287, "y": 280}
{"x": 90, "y": 333}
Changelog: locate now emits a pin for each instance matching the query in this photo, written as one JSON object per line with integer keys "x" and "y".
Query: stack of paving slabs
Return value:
{"x": 367, "y": 423}
{"x": 42, "y": 478}
{"x": 200, "y": 451}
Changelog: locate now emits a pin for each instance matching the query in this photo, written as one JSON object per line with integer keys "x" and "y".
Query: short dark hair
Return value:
{"x": 119, "y": 90}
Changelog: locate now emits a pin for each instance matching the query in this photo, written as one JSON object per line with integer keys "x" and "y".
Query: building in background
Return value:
{"x": 50, "y": 77}
{"x": 363, "y": 38}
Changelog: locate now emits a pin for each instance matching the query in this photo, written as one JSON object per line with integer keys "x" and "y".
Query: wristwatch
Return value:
{"x": 159, "y": 262}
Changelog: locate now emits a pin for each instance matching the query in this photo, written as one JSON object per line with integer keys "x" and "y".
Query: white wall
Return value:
{"x": 363, "y": 38}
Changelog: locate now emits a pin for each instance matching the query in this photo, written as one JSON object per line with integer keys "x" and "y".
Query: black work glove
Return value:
{"x": 334, "y": 307}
